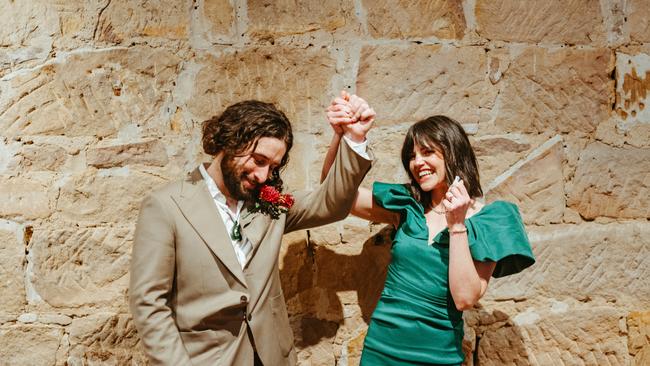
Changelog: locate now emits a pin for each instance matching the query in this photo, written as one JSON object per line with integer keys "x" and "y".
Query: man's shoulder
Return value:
{"x": 175, "y": 187}
{"x": 168, "y": 189}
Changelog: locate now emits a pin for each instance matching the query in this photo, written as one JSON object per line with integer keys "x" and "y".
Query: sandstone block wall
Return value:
{"x": 102, "y": 100}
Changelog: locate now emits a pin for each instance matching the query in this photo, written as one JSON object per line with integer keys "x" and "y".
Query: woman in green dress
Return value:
{"x": 446, "y": 246}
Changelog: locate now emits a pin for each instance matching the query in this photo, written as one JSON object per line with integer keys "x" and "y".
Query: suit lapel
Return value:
{"x": 197, "y": 205}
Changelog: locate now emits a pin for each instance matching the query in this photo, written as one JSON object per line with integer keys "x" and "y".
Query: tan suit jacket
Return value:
{"x": 191, "y": 301}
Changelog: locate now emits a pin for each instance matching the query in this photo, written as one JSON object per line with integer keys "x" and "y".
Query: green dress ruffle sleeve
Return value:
{"x": 496, "y": 233}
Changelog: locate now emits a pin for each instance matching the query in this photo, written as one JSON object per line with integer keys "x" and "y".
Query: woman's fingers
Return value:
{"x": 339, "y": 113}
{"x": 340, "y": 108}
{"x": 339, "y": 116}
{"x": 457, "y": 196}
{"x": 341, "y": 101}
{"x": 463, "y": 189}
{"x": 448, "y": 205}
{"x": 455, "y": 191}
{"x": 339, "y": 120}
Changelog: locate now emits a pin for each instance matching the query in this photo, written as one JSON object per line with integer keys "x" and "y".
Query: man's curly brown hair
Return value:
{"x": 242, "y": 124}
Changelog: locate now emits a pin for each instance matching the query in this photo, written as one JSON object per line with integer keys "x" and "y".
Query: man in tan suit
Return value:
{"x": 205, "y": 285}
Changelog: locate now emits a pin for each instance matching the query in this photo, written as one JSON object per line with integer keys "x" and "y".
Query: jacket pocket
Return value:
{"x": 205, "y": 347}
{"x": 281, "y": 320}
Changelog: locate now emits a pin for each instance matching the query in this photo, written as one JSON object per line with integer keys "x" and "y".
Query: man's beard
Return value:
{"x": 232, "y": 179}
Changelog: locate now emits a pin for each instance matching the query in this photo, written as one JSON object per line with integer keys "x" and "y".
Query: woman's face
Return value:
{"x": 427, "y": 165}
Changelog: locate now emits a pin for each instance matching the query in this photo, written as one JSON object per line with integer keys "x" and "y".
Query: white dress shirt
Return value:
{"x": 243, "y": 246}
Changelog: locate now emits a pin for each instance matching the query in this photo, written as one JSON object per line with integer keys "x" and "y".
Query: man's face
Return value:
{"x": 243, "y": 175}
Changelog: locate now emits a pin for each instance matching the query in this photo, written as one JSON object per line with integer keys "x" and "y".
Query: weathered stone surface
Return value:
{"x": 321, "y": 354}
{"x": 296, "y": 175}
{"x": 328, "y": 300}
{"x": 27, "y": 197}
{"x": 59, "y": 319}
{"x": 269, "y": 19}
{"x": 105, "y": 339}
{"x": 408, "y": 19}
{"x": 386, "y": 144}
{"x": 584, "y": 262}
{"x": 88, "y": 93}
{"x": 353, "y": 348}
{"x": 124, "y": 20}
{"x": 336, "y": 269}
{"x": 12, "y": 259}
{"x": 612, "y": 182}
{"x": 148, "y": 152}
{"x": 101, "y": 101}
{"x": 633, "y": 88}
{"x": 42, "y": 157}
{"x": 498, "y": 63}
{"x": 574, "y": 145}
{"x": 110, "y": 195}
{"x": 220, "y": 15}
{"x": 296, "y": 264}
{"x": 535, "y": 184}
{"x": 76, "y": 22}
{"x": 296, "y": 81}
{"x": 497, "y": 153}
{"x": 29, "y": 344}
{"x": 28, "y": 318}
{"x": 486, "y": 145}
{"x": 590, "y": 336}
{"x": 638, "y": 17}
{"x": 435, "y": 80}
{"x": 45, "y": 154}
{"x": 469, "y": 345}
{"x": 562, "y": 90}
{"x": 612, "y": 132}
{"x": 557, "y": 21}
{"x": 638, "y": 325}
{"x": 44, "y": 318}
{"x": 26, "y": 34}
{"x": 9, "y": 159}
{"x": 82, "y": 268}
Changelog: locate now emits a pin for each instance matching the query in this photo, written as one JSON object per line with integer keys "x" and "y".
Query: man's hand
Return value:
{"x": 351, "y": 116}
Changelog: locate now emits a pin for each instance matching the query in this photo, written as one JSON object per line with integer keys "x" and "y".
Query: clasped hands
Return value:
{"x": 350, "y": 116}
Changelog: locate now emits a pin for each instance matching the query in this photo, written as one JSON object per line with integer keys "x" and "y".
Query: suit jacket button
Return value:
{"x": 249, "y": 317}
{"x": 244, "y": 299}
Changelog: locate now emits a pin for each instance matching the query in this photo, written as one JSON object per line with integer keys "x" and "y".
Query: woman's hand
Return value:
{"x": 457, "y": 201}
{"x": 340, "y": 113}
{"x": 363, "y": 118}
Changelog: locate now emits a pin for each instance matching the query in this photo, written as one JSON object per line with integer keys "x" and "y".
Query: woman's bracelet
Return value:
{"x": 460, "y": 231}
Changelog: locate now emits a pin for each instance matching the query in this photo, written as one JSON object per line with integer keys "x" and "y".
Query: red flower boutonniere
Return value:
{"x": 272, "y": 202}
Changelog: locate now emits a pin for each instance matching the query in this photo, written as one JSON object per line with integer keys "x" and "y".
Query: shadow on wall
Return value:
{"x": 314, "y": 277}
{"x": 492, "y": 339}
{"x": 318, "y": 282}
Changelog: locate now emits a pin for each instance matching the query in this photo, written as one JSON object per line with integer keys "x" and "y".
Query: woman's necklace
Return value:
{"x": 439, "y": 212}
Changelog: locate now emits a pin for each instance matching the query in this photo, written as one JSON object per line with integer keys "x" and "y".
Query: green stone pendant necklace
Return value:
{"x": 235, "y": 233}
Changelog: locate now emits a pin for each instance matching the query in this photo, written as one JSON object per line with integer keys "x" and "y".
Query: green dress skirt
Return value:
{"x": 415, "y": 321}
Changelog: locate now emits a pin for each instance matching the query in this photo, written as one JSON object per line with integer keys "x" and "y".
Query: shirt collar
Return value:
{"x": 216, "y": 194}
